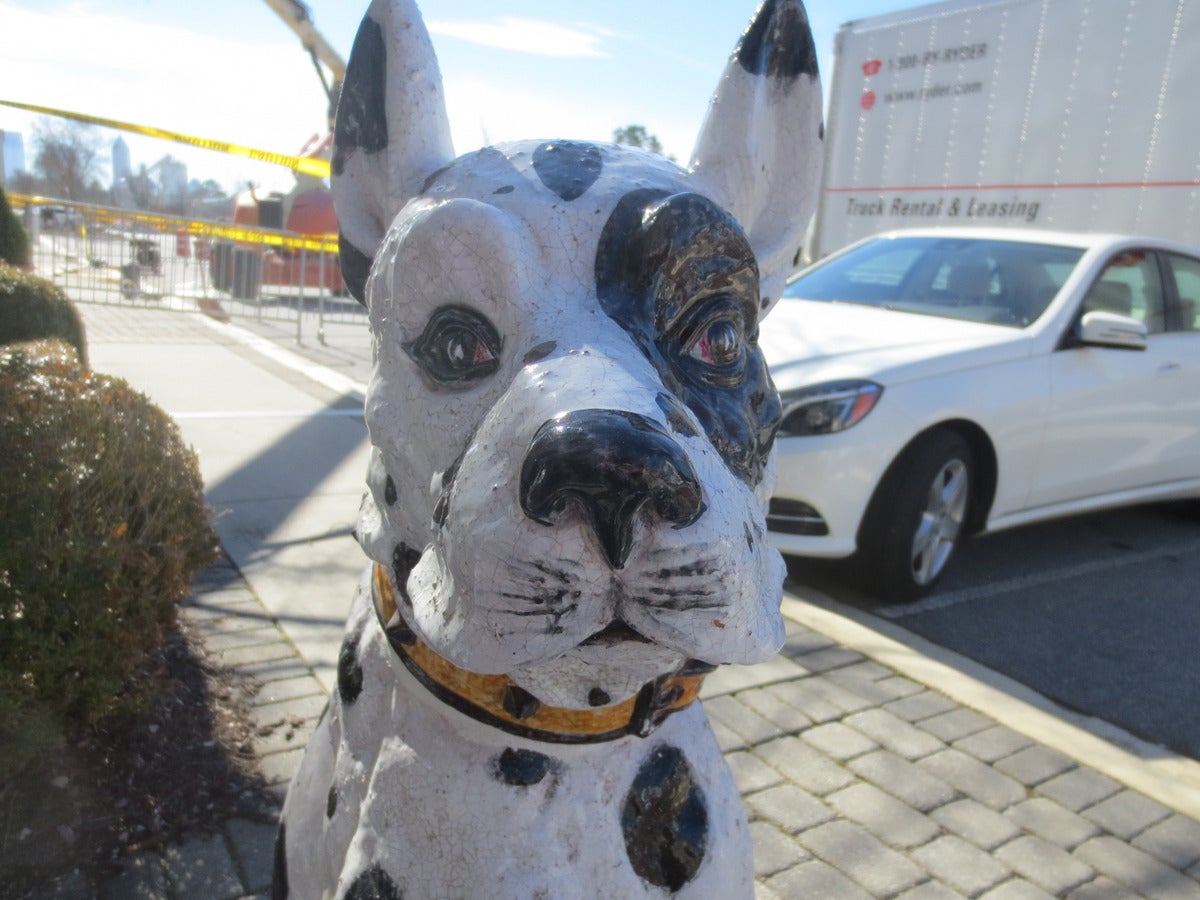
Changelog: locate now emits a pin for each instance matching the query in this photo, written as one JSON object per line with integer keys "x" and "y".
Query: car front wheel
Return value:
{"x": 916, "y": 518}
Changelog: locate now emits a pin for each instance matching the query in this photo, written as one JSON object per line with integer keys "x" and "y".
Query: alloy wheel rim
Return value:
{"x": 940, "y": 522}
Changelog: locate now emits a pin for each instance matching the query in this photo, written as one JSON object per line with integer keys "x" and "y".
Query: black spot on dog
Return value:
{"x": 696, "y": 667}
{"x": 519, "y": 703}
{"x": 779, "y": 43}
{"x": 677, "y": 417}
{"x": 507, "y": 189}
{"x": 749, "y": 536}
{"x": 678, "y": 274}
{"x": 279, "y": 875}
{"x": 389, "y": 491}
{"x": 349, "y": 670}
{"x": 451, "y": 472}
{"x": 361, "y": 121}
{"x": 821, "y": 130}
{"x": 373, "y": 884}
{"x": 568, "y": 168}
{"x": 331, "y": 802}
{"x": 598, "y": 697}
{"x": 432, "y": 179}
{"x": 400, "y": 635}
{"x": 521, "y": 768}
{"x": 441, "y": 509}
{"x": 404, "y": 558}
{"x": 665, "y": 820}
{"x": 540, "y": 352}
{"x": 356, "y": 266}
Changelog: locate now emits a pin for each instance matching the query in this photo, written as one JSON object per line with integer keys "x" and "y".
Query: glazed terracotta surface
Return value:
{"x": 572, "y": 433}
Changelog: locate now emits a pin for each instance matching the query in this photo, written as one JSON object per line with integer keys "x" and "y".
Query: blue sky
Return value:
{"x": 231, "y": 70}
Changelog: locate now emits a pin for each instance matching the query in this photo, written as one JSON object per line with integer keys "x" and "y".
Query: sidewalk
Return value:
{"x": 871, "y": 764}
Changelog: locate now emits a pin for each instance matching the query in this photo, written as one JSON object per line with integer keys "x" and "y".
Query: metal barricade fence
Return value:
{"x": 100, "y": 254}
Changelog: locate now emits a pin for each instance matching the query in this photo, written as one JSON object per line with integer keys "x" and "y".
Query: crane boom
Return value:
{"x": 297, "y": 17}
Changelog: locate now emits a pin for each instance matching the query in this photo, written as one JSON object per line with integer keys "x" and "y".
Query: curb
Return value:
{"x": 1150, "y": 769}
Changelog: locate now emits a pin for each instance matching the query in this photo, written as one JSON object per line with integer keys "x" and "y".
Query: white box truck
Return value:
{"x": 1066, "y": 114}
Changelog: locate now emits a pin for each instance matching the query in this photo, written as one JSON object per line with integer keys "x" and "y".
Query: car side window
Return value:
{"x": 1129, "y": 286}
{"x": 1183, "y": 302}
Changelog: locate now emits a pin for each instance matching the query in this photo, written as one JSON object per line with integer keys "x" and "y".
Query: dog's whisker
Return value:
{"x": 546, "y": 598}
{"x": 534, "y": 613}
{"x": 682, "y": 590}
{"x": 559, "y": 574}
{"x": 685, "y": 603}
{"x": 688, "y": 570}
{"x": 524, "y": 569}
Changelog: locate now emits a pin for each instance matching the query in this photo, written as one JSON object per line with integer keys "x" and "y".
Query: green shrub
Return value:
{"x": 32, "y": 308}
{"x": 14, "y": 240}
{"x": 102, "y": 524}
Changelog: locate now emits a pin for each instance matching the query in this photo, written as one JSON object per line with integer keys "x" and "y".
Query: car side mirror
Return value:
{"x": 1107, "y": 329}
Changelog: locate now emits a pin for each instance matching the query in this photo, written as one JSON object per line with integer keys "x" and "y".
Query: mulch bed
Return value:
{"x": 182, "y": 766}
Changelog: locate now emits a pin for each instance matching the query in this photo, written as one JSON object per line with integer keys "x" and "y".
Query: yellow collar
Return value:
{"x": 498, "y": 701}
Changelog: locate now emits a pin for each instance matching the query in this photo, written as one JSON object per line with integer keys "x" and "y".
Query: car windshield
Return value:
{"x": 1002, "y": 282}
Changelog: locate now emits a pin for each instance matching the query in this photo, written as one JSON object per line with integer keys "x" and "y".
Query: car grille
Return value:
{"x": 794, "y": 517}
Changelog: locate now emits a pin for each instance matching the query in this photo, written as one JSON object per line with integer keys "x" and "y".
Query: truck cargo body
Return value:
{"x": 1060, "y": 114}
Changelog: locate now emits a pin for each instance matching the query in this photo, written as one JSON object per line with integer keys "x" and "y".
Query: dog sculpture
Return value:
{"x": 571, "y": 427}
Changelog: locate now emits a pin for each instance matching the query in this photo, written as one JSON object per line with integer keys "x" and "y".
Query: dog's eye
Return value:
{"x": 718, "y": 343}
{"x": 458, "y": 346}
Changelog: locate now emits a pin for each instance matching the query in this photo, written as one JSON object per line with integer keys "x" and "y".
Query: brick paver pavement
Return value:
{"x": 858, "y": 783}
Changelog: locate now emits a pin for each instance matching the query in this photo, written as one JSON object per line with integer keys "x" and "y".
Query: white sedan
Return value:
{"x": 944, "y": 382}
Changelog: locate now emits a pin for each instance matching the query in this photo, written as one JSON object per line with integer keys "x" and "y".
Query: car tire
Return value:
{"x": 917, "y": 517}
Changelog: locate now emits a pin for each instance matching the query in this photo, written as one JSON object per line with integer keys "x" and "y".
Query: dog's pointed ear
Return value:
{"x": 760, "y": 148}
{"x": 391, "y": 132}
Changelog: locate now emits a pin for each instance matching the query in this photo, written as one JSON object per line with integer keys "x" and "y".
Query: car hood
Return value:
{"x": 807, "y": 342}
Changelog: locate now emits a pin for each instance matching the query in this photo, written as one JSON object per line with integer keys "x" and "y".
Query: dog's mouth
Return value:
{"x": 617, "y": 632}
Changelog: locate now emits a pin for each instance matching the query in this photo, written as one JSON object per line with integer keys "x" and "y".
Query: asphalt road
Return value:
{"x": 1100, "y": 613}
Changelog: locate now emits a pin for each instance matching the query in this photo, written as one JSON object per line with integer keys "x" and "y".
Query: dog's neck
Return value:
{"x": 498, "y": 701}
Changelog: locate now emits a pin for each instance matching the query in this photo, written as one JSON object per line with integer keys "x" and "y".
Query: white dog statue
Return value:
{"x": 572, "y": 428}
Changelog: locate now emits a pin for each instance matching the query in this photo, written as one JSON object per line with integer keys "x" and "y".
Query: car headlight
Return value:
{"x": 826, "y": 408}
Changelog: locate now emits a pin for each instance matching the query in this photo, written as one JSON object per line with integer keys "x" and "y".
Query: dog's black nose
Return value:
{"x": 608, "y": 464}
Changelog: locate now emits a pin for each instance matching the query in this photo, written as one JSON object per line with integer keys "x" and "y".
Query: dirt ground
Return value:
{"x": 181, "y": 766}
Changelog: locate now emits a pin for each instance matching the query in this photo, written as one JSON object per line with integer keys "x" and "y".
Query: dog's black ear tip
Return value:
{"x": 779, "y": 42}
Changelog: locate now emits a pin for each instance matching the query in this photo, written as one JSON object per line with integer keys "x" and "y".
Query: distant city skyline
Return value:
{"x": 122, "y": 167}
{"x": 12, "y": 154}
{"x": 168, "y": 174}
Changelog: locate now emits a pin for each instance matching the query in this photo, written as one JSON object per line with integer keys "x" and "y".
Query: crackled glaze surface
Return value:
{"x": 572, "y": 428}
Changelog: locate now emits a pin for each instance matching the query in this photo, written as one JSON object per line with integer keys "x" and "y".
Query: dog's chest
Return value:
{"x": 444, "y": 806}
{"x": 550, "y": 824}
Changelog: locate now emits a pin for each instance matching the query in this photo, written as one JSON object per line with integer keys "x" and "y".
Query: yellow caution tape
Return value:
{"x": 320, "y": 243}
{"x": 306, "y": 165}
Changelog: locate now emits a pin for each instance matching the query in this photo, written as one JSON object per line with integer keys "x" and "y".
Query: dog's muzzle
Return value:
{"x": 608, "y": 464}
{"x": 498, "y": 701}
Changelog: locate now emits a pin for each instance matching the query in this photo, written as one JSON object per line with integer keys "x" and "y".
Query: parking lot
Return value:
{"x": 1099, "y": 613}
